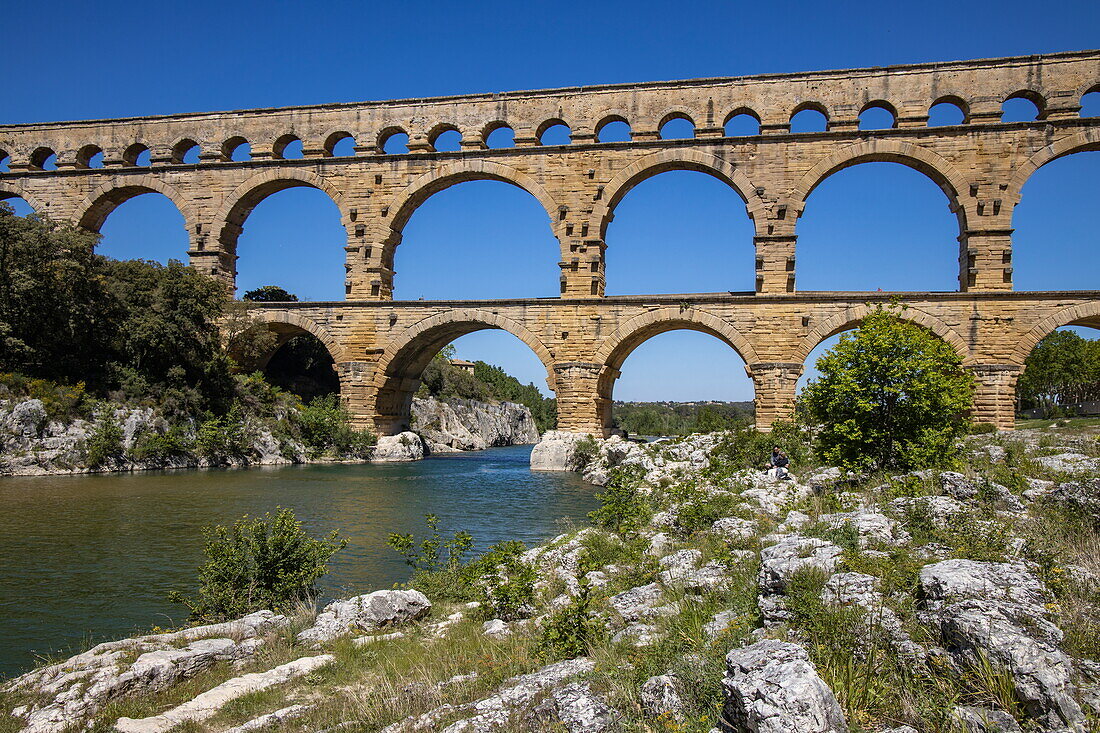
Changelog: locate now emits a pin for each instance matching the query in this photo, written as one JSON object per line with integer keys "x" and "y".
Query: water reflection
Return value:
{"x": 93, "y": 557}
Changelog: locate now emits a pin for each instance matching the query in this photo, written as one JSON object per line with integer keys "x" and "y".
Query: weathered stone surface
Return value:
{"x": 577, "y": 709}
{"x": 782, "y": 560}
{"x": 772, "y": 687}
{"x": 207, "y": 704}
{"x": 405, "y": 446}
{"x": 636, "y": 603}
{"x": 271, "y": 720}
{"x": 557, "y": 451}
{"x": 981, "y": 720}
{"x": 735, "y": 529}
{"x": 660, "y": 697}
{"x": 367, "y": 612}
{"x": 462, "y": 425}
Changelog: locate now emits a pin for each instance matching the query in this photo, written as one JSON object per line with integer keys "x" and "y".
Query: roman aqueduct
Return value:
{"x": 380, "y": 346}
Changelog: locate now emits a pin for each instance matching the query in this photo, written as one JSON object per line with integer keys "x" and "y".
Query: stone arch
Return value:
{"x": 11, "y": 190}
{"x": 100, "y": 203}
{"x": 1079, "y": 142}
{"x": 1085, "y": 314}
{"x": 956, "y": 100}
{"x": 614, "y": 349}
{"x": 397, "y": 373}
{"x": 287, "y": 324}
{"x": 230, "y": 218}
{"x": 675, "y": 159}
{"x": 678, "y": 112}
{"x": 403, "y": 205}
{"x": 852, "y": 317}
{"x": 606, "y": 117}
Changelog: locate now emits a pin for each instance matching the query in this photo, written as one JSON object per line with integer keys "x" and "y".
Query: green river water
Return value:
{"x": 89, "y": 558}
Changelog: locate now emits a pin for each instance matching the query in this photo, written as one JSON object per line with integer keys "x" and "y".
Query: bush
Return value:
{"x": 221, "y": 438}
{"x": 105, "y": 442}
{"x": 158, "y": 448}
{"x": 622, "y": 508}
{"x": 569, "y": 632}
{"x": 325, "y": 427}
{"x": 891, "y": 395}
{"x": 267, "y": 562}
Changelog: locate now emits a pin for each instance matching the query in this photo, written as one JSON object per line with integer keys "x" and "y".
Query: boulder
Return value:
{"x": 636, "y": 603}
{"x": 781, "y": 561}
{"x": 577, "y": 709}
{"x": 660, "y": 697}
{"x": 735, "y": 529}
{"x": 405, "y": 446}
{"x": 772, "y": 687}
{"x": 367, "y": 612}
{"x": 981, "y": 720}
{"x": 557, "y": 451}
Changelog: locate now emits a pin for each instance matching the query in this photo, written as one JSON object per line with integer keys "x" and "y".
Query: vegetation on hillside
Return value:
{"x": 679, "y": 418}
{"x": 1062, "y": 370}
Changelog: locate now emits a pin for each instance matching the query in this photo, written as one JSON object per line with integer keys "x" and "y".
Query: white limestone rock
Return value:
{"x": 557, "y": 451}
{"x": 462, "y": 425}
{"x": 398, "y": 448}
{"x": 782, "y": 560}
{"x": 368, "y": 612}
{"x": 660, "y": 697}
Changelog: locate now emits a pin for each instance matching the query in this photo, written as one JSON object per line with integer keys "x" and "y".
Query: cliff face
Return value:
{"x": 456, "y": 425}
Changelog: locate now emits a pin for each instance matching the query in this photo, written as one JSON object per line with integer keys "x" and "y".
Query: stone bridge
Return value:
{"x": 380, "y": 346}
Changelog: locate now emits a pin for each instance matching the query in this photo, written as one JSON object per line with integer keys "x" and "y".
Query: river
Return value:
{"x": 88, "y": 558}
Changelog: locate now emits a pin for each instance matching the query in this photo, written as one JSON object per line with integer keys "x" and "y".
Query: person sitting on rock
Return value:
{"x": 779, "y": 462}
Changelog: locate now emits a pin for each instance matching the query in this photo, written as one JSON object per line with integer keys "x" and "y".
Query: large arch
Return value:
{"x": 98, "y": 205}
{"x": 287, "y": 324}
{"x": 12, "y": 191}
{"x": 1079, "y": 142}
{"x": 852, "y": 317}
{"x": 397, "y": 373}
{"x": 403, "y": 205}
{"x": 1085, "y": 314}
{"x": 942, "y": 172}
{"x": 230, "y": 218}
{"x": 676, "y": 159}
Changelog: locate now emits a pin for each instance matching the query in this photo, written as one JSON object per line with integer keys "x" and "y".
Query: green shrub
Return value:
{"x": 325, "y": 428}
{"x": 221, "y": 438}
{"x": 267, "y": 562}
{"x": 506, "y": 583}
{"x": 105, "y": 442}
{"x": 622, "y": 508}
{"x": 158, "y": 448}
{"x": 586, "y": 451}
{"x": 569, "y": 632}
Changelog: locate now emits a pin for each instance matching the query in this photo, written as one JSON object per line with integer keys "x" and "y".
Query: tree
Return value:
{"x": 1062, "y": 369}
{"x": 267, "y": 562}
{"x": 270, "y": 294}
{"x": 890, "y": 395}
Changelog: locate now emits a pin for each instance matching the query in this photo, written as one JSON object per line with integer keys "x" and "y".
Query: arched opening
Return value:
{"x": 291, "y": 236}
{"x": 613, "y": 129}
{"x": 878, "y": 116}
{"x": 948, "y": 111}
{"x": 477, "y": 239}
{"x": 340, "y": 145}
{"x": 445, "y": 139}
{"x": 236, "y": 149}
{"x": 498, "y": 135}
{"x": 1050, "y": 249}
{"x": 289, "y": 356}
{"x": 878, "y": 226}
{"x": 809, "y": 117}
{"x": 649, "y": 389}
{"x": 288, "y": 147}
{"x": 742, "y": 122}
{"x": 677, "y": 126}
{"x": 393, "y": 141}
{"x": 44, "y": 159}
{"x": 142, "y": 226}
{"x": 1090, "y": 103}
{"x": 554, "y": 132}
{"x": 441, "y": 361}
{"x": 5, "y": 162}
{"x": 679, "y": 231}
{"x": 1023, "y": 106}
{"x": 89, "y": 156}
{"x": 137, "y": 155}
{"x": 186, "y": 151}
{"x": 18, "y": 205}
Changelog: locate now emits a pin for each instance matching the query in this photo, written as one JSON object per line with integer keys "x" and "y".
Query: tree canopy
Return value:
{"x": 891, "y": 395}
{"x": 1062, "y": 369}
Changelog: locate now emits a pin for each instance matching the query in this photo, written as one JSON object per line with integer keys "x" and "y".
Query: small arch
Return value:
{"x": 1090, "y": 103}
{"x": 1023, "y": 106}
{"x": 676, "y": 125}
{"x": 186, "y": 151}
{"x": 89, "y": 156}
{"x": 5, "y": 160}
{"x": 236, "y": 149}
{"x": 44, "y": 159}
{"x": 397, "y": 374}
{"x": 288, "y": 147}
{"x": 554, "y": 132}
{"x": 136, "y": 155}
{"x": 393, "y": 141}
{"x": 1085, "y": 314}
{"x": 850, "y": 318}
{"x": 878, "y": 115}
{"x": 741, "y": 122}
{"x": 498, "y": 135}
{"x": 948, "y": 110}
{"x": 613, "y": 128}
{"x": 809, "y": 117}
{"x": 445, "y": 138}
{"x": 339, "y": 144}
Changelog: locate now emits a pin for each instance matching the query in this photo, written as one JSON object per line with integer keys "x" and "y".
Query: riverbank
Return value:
{"x": 121, "y": 438}
{"x": 704, "y": 596}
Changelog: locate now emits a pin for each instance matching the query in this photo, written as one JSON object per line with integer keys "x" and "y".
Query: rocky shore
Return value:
{"x": 31, "y": 444}
{"x": 704, "y": 597}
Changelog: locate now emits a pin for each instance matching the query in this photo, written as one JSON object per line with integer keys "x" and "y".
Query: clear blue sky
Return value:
{"x": 72, "y": 60}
